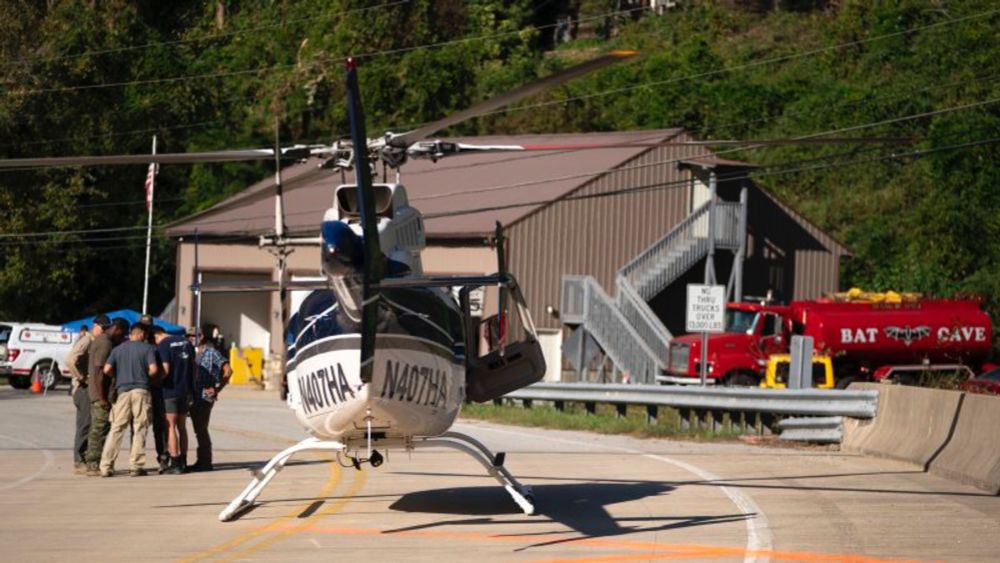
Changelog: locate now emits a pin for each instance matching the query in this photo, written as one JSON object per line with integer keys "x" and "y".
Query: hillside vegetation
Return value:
{"x": 103, "y": 77}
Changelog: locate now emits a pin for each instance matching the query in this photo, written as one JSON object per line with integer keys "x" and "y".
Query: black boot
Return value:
{"x": 175, "y": 467}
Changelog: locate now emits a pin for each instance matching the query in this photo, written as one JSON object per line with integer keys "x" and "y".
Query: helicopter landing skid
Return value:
{"x": 493, "y": 464}
{"x": 263, "y": 476}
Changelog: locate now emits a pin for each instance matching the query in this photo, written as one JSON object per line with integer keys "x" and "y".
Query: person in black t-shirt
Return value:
{"x": 176, "y": 357}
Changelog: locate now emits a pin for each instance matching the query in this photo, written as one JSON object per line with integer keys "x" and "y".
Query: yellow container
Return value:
{"x": 776, "y": 376}
{"x": 247, "y": 364}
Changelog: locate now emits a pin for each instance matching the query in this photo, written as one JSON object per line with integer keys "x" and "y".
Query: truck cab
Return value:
{"x": 736, "y": 357}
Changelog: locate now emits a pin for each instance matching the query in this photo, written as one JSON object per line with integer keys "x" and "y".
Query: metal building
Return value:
{"x": 582, "y": 212}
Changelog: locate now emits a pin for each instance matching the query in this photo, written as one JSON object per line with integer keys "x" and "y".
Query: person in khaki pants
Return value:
{"x": 134, "y": 366}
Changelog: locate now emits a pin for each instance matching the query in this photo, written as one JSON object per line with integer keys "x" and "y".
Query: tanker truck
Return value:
{"x": 868, "y": 341}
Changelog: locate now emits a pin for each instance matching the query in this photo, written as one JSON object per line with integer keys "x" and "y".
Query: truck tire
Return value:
{"x": 47, "y": 371}
{"x": 741, "y": 379}
{"x": 19, "y": 381}
{"x": 844, "y": 382}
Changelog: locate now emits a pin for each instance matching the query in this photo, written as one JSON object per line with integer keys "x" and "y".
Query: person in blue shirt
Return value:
{"x": 211, "y": 375}
{"x": 176, "y": 357}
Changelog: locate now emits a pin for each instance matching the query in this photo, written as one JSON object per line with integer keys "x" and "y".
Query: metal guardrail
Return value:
{"x": 806, "y": 402}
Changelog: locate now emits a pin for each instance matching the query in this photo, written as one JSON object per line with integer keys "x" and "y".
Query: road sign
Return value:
{"x": 706, "y": 308}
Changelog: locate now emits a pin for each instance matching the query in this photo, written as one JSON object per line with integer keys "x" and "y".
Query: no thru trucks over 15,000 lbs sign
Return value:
{"x": 706, "y": 308}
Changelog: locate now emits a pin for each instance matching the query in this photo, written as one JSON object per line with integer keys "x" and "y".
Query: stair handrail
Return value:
{"x": 617, "y": 336}
{"x": 647, "y": 325}
{"x": 727, "y": 219}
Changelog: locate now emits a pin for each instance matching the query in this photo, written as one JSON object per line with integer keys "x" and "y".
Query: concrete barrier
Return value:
{"x": 912, "y": 424}
{"x": 972, "y": 456}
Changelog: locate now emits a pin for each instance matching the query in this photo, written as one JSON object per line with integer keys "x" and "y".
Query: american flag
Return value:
{"x": 150, "y": 177}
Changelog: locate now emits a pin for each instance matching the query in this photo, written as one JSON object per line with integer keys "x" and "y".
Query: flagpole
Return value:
{"x": 149, "y": 232}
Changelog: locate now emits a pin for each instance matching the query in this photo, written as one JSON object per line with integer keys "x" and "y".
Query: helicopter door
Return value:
{"x": 502, "y": 351}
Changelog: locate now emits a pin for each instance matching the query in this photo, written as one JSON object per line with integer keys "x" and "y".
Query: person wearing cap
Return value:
{"x": 76, "y": 361}
{"x": 133, "y": 365}
{"x": 106, "y": 334}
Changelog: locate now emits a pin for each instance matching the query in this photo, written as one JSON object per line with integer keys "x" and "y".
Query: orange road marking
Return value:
{"x": 649, "y": 550}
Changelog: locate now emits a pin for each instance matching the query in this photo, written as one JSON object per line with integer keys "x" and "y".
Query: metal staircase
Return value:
{"x": 626, "y": 328}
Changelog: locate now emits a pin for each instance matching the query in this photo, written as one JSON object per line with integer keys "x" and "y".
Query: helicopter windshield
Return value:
{"x": 741, "y": 321}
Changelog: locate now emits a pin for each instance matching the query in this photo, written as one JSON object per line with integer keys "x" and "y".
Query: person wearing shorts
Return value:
{"x": 176, "y": 356}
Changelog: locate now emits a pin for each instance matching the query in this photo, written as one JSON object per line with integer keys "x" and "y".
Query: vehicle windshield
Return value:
{"x": 740, "y": 321}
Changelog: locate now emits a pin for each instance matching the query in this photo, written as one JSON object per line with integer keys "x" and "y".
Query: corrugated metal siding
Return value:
{"x": 817, "y": 272}
{"x": 597, "y": 236}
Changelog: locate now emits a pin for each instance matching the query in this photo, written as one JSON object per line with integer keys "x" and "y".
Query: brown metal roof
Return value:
{"x": 506, "y": 186}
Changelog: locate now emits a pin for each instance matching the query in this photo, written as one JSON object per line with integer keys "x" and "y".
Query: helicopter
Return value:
{"x": 380, "y": 356}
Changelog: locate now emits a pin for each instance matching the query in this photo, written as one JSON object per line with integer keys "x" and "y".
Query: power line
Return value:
{"x": 224, "y": 74}
{"x": 744, "y": 66}
{"x": 780, "y": 168}
{"x": 554, "y": 102}
{"x": 741, "y": 176}
{"x": 71, "y": 232}
{"x": 706, "y": 154}
{"x": 582, "y": 175}
{"x": 868, "y": 99}
{"x": 132, "y": 202}
{"x": 767, "y": 119}
{"x": 178, "y": 42}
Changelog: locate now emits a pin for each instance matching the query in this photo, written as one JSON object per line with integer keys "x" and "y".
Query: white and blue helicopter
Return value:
{"x": 380, "y": 356}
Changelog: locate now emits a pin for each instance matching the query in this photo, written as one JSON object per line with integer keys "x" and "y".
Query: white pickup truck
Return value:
{"x": 29, "y": 351}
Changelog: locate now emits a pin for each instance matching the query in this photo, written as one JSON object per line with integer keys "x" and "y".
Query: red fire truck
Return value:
{"x": 868, "y": 341}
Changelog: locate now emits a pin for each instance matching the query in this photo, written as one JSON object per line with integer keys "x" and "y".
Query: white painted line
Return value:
{"x": 759, "y": 536}
{"x": 49, "y": 458}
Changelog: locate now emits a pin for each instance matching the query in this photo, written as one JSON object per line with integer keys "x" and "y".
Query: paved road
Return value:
{"x": 600, "y": 499}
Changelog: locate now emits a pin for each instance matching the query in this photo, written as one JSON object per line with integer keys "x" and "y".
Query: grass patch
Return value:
{"x": 605, "y": 420}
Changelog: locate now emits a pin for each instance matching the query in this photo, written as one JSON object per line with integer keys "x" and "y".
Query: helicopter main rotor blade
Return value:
{"x": 406, "y": 139}
{"x": 437, "y": 149}
{"x": 296, "y": 152}
{"x": 374, "y": 261}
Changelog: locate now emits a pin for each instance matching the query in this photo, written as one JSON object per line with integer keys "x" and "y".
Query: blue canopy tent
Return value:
{"x": 129, "y": 315}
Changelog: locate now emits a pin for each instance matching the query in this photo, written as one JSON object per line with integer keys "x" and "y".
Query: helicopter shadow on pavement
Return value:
{"x": 580, "y": 507}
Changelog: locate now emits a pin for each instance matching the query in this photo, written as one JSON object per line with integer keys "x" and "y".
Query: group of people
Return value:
{"x": 139, "y": 376}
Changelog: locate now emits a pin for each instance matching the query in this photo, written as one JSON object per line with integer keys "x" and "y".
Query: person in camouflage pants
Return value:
{"x": 106, "y": 335}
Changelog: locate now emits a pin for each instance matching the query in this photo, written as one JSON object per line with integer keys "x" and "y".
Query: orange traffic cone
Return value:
{"x": 36, "y": 385}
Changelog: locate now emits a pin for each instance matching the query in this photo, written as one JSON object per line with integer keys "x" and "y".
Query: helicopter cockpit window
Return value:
{"x": 347, "y": 201}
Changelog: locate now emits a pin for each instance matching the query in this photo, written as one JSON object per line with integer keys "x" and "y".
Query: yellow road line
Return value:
{"x": 359, "y": 481}
{"x": 274, "y": 526}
